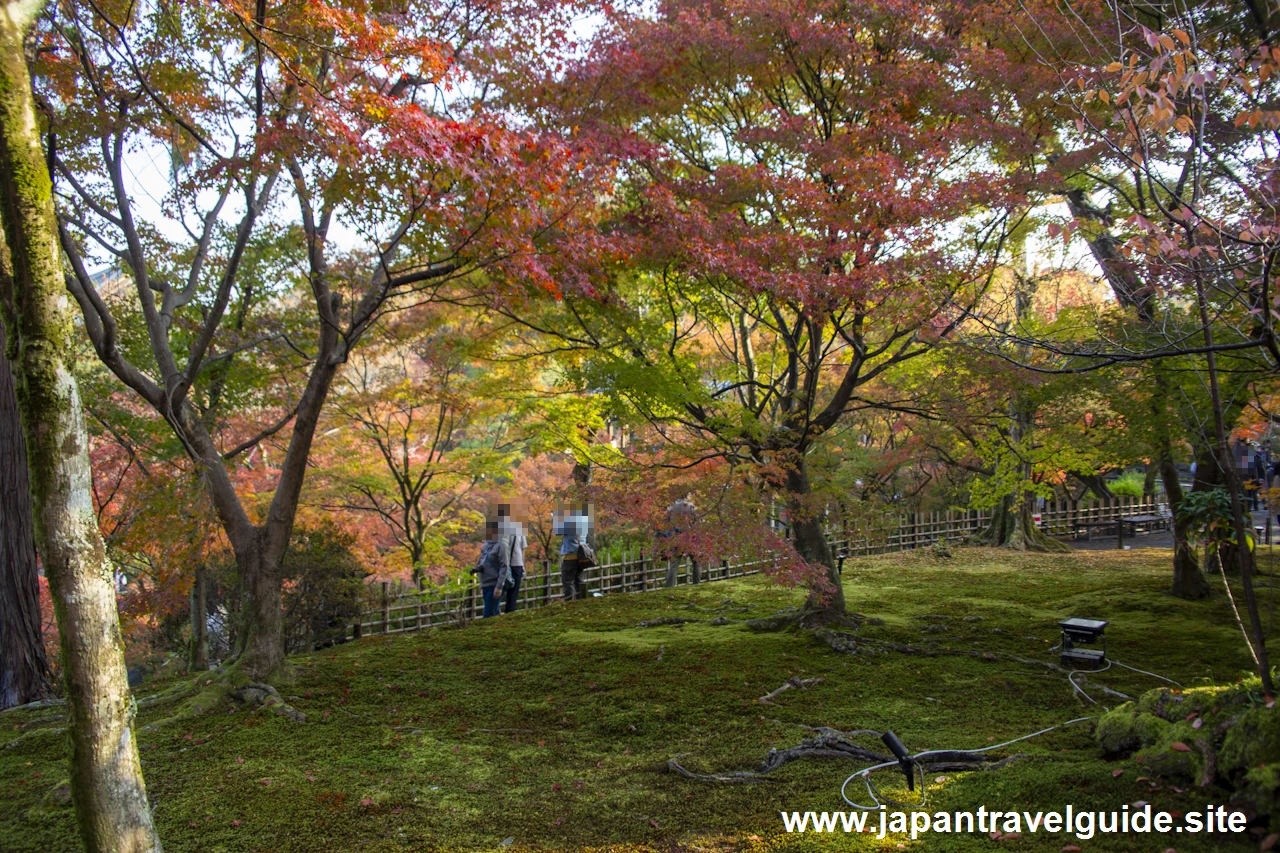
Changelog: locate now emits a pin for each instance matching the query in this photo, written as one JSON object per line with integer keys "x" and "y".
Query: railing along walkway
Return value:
{"x": 399, "y": 610}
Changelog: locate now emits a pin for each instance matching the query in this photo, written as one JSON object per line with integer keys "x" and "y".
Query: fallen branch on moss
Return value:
{"x": 793, "y": 682}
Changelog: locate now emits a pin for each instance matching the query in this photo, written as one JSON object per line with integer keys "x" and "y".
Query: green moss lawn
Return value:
{"x": 553, "y": 728}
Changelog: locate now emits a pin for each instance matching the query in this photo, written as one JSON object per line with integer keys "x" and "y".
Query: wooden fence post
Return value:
{"x": 386, "y": 609}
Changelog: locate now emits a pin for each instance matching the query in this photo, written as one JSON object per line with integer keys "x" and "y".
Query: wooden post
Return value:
{"x": 546, "y": 581}
{"x": 386, "y": 609}
{"x": 643, "y": 585}
{"x": 417, "y": 605}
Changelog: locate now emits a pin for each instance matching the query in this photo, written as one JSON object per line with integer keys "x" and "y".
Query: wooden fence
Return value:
{"x": 397, "y": 609}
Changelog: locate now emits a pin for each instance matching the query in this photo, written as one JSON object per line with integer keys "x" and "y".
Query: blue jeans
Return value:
{"x": 513, "y": 594}
{"x": 490, "y": 602}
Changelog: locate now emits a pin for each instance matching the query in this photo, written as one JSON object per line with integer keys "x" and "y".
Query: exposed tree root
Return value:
{"x": 208, "y": 691}
{"x": 34, "y": 706}
{"x": 733, "y": 776}
{"x": 793, "y": 682}
{"x": 852, "y": 645}
{"x": 35, "y": 734}
{"x": 667, "y": 620}
{"x": 833, "y": 744}
{"x": 810, "y": 617}
{"x": 1012, "y": 527}
{"x": 267, "y": 696}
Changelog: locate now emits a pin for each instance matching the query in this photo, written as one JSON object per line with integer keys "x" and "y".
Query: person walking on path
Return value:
{"x": 493, "y": 567}
{"x": 572, "y": 525}
{"x": 513, "y": 531}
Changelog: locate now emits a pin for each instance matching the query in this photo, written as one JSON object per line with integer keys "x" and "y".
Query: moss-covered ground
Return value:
{"x": 553, "y": 728}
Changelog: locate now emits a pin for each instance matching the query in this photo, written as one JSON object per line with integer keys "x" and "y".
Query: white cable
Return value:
{"x": 880, "y": 799}
{"x": 1071, "y": 677}
{"x": 1144, "y": 672}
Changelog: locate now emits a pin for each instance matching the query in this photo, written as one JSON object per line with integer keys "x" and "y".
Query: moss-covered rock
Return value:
{"x": 1253, "y": 740}
{"x": 1125, "y": 729}
{"x": 1261, "y": 788}
{"x": 1173, "y": 764}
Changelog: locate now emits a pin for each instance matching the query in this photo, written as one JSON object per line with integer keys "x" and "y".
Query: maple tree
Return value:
{"x": 357, "y": 137}
{"x": 421, "y": 420}
{"x": 804, "y": 210}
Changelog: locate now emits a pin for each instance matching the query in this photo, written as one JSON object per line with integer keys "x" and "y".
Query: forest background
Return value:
{"x": 349, "y": 277}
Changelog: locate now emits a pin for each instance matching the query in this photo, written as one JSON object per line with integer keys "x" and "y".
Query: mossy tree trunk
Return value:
{"x": 24, "y": 669}
{"x": 826, "y": 601}
{"x": 199, "y": 658}
{"x": 106, "y": 775}
{"x": 1189, "y": 581}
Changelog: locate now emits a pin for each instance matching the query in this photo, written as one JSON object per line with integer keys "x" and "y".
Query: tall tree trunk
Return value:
{"x": 106, "y": 776}
{"x": 24, "y": 669}
{"x": 1132, "y": 293}
{"x": 1188, "y": 581}
{"x": 260, "y": 637}
{"x": 826, "y": 602}
{"x": 1244, "y": 556}
{"x": 1208, "y": 476}
{"x": 199, "y": 659}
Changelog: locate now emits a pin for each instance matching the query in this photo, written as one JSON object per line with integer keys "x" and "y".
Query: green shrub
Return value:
{"x": 1128, "y": 485}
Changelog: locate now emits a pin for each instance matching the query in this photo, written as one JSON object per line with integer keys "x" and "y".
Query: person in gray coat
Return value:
{"x": 513, "y": 531}
{"x": 493, "y": 567}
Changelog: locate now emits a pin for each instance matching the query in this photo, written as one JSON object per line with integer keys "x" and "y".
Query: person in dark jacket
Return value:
{"x": 493, "y": 567}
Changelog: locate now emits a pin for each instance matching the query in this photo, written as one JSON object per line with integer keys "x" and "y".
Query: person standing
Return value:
{"x": 680, "y": 517}
{"x": 573, "y": 526}
{"x": 513, "y": 531}
{"x": 493, "y": 567}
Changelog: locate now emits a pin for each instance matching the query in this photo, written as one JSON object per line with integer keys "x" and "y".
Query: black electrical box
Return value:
{"x": 1077, "y": 632}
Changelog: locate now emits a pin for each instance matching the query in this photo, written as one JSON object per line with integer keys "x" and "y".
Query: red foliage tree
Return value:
{"x": 362, "y": 131}
{"x": 816, "y": 192}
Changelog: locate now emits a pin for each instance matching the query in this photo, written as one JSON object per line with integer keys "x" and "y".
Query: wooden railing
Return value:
{"x": 397, "y": 609}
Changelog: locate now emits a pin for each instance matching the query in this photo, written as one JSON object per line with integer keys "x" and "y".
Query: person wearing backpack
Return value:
{"x": 493, "y": 567}
{"x": 573, "y": 526}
